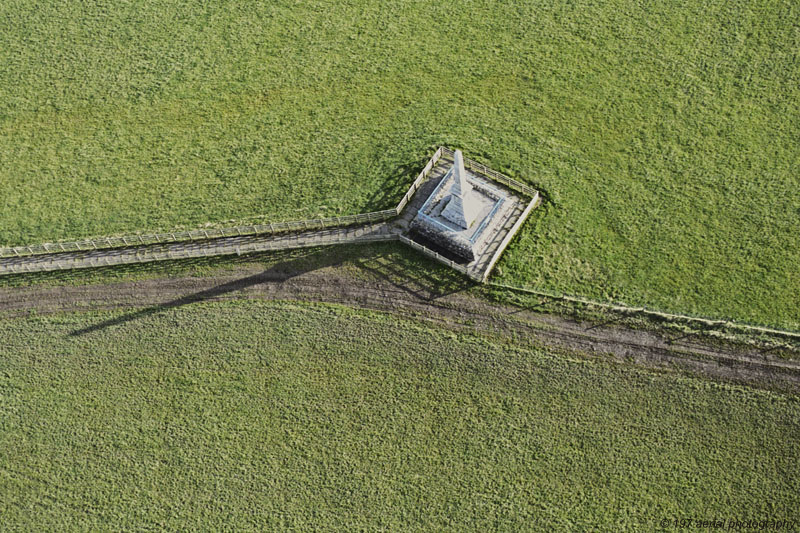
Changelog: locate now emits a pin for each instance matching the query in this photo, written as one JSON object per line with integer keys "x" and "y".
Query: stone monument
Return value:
{"x": 459, "y": 210}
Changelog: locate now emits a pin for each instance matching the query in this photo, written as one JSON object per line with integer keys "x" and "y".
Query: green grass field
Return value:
{"x": 277, "y": 415}
{"x": 665, "y": 136}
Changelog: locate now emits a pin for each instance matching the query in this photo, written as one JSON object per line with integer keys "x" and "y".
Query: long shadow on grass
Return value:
{"x": 279, "y": 272}
{"x": 427, "y": 281}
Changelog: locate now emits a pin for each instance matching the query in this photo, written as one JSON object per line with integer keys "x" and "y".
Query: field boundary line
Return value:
{"x": 621, "y": 308}
{"x": 511, "y": 233}
{"x": 173, "y": 237}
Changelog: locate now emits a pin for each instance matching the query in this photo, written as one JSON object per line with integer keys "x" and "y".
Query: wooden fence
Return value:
{"x": 199, "y": 235}
{"x": 510, "y": 235}
{"x": 439, "y": 257}
{"x": 652, "y": 313}
{"x": 423, "y": 175}
{"x": 271, "y": 228}
{"x": 217, "y": 241}
{"x": 496, "y": 176}
{"x": 193, "y": 249}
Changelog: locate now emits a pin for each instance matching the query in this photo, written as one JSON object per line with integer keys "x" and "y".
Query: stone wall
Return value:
{"x": 453, "y": 243}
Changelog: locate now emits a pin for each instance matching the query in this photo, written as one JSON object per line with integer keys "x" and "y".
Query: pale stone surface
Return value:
{"x": 487, "y": 208}
{"x": 462, "y": 208}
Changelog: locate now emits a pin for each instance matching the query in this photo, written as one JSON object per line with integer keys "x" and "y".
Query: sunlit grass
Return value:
{"x": 665, "y": 135}
{"x": 278, "y": 416}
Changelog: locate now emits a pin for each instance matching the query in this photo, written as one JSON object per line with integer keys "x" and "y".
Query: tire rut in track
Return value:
{"x": 455, "y": 310}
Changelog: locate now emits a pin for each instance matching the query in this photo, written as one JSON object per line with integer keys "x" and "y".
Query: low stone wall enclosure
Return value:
{"x": 391, "y": 224}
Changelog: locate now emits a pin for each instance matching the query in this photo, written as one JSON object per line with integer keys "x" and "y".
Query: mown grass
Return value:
{"x": 280, "y": 416}
{"x": 665, "y": 135}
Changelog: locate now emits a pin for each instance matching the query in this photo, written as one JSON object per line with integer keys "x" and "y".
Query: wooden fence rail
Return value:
{"x": 423, "y": 175}
{"x": 193, "y": 249}
{"x": 440, "y": 258}
{"x": 260, "y": 229}
{"x": 501, "y": 178}
{"x": 621, "y": 308}
{"x": 510, "y": 235}
{"x": 197, "y": 235}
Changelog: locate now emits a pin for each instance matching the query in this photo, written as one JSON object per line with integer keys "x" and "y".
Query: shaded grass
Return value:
{"x": 389, "y": 261}
{"x": 276, "y": 415}
{"x": 665, "y": 135}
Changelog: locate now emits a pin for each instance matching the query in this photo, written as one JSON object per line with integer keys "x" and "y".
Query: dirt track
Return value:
{"x": 454, "y": 309}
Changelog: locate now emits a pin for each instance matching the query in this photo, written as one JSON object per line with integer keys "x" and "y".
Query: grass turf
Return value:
{"x": 665, "y": 136}
{"x": 276, "y": 415}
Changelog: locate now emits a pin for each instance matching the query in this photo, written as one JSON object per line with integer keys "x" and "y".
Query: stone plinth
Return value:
{"x": 461, "y": 212}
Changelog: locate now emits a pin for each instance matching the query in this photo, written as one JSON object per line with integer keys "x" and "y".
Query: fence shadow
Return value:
{"x": 179, "y": 267}
{"x": 389, "y": 262}
{"x": 424, "y": 281}
{"x": 125, "y": 270}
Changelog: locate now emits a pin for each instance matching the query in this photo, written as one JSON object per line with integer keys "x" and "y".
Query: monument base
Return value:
{"x": 452, "y": 243}
{"x": 478, "y": 209}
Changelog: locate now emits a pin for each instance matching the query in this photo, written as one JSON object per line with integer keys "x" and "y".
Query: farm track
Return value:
{"x": 456, "y": 310}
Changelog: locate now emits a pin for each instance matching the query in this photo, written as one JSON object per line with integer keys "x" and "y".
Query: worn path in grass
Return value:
{"x": 451, "y": 307}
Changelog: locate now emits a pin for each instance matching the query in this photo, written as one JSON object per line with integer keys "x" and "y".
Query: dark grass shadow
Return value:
{"x": 281, "y": 271}
{"x": 685, "y": 336}
{"x": 395, "y": 186}
{"x": 774, "y": 348}
{"x": 604, "y": 323}
{"x": 696, "y": 332}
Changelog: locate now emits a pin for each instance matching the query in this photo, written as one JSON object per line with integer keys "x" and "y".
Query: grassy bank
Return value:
{"x": 254, "y": 414}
